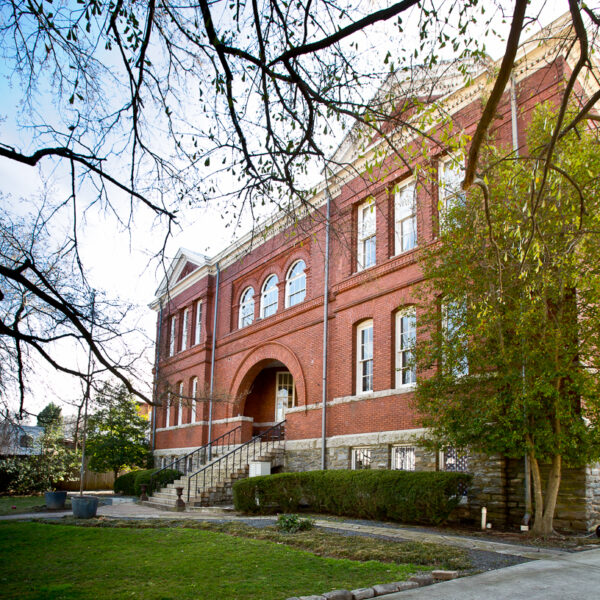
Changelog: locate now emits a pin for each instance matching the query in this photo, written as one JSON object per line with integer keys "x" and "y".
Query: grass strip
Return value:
{"x": 57, "y": 562}
{"x": 23, "y": 504}
{"x": 318, "y": 541}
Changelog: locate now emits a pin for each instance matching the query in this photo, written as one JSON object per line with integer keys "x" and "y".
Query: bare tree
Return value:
{"x": 167, "y": 104}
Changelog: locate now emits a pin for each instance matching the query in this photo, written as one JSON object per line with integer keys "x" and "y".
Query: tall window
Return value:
{"x": 364, "y": 355}
{"x": 194, "y": 399}
{"x": 172, "y": 332}
{"x": 403, "y": 458}
{"x": 198, "y": 327}
{"x": 285, "y": 396}
{"x": 184, "y": 329}
{"x": 247, "y": 308}
{"x": 405, "y": 212}
{"x": 180, "y": 405}
{"x": 269, "y": 297}
{"x": 451, "y": 173}
{"x": 454, "y": 314}
{"x": 366, "y": 234}
{"x": 406, "y": 336}
{"x": 295, "y": 287}
{"x": 168, "y": 410}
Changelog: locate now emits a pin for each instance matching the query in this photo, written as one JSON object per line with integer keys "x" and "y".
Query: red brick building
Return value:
{"x": 263, "y": 352}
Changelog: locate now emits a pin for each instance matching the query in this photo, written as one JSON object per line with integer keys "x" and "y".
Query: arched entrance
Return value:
{"x": 268, "y": 382}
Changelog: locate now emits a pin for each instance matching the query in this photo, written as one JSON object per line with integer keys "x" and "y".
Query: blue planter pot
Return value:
{"x": 55, "y": 500}
{"x": 84, "y": 507}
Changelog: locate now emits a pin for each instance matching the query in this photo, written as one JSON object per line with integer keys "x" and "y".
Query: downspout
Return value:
{"x": 526, "y": 466}
{"x": 325, "y": 331}
{"x": 212, "y": 362}
{"x": 156, "y": 367}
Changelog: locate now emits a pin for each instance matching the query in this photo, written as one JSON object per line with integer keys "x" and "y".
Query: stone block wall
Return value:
{"x": 498, "y": 483}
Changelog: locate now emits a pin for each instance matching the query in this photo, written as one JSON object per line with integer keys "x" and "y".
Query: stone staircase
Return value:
{"x": 212, "y": 485}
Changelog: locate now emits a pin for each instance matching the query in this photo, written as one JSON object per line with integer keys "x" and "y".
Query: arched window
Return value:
{"x": 295, "y": 288}
{"x": 247, "y": 308}
{"x": 269, "y": 297}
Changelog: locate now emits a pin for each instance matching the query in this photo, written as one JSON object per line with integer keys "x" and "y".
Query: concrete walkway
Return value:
{"x": 573, "y": 576}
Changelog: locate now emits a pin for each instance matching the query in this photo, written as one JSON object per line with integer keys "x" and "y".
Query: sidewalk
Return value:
{"x": 573, "y": 576}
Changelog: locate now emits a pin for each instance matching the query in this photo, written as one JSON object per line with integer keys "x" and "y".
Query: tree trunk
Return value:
{"x": 543, "y": 524}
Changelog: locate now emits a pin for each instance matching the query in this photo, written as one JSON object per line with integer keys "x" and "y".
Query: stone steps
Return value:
{"x": 216, "y": 488}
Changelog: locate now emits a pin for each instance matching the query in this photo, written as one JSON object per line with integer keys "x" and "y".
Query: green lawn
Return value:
{"x": 23, "y": 503}
{"x": 53, "y": 562}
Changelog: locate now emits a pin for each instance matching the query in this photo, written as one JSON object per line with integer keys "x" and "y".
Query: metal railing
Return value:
{"x": 210, "y": 474}
{"x": 200, "y": 456}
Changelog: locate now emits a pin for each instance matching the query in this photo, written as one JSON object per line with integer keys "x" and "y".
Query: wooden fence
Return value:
{"x": 92, "y": 481}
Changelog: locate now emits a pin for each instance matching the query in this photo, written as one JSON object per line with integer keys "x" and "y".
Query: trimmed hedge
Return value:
{"x": 164, "y": 477}
{"x": 130, "y": 483}
{"x": 405, "y": 496}
{"x": 124, "y": 483}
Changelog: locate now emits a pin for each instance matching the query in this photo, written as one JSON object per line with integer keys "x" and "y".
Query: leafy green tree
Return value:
{"x": 117, "y": 433}
{"x": 513, "y": 367}
{"x": 51, "y": 463}
{"x": 50, "y": 416}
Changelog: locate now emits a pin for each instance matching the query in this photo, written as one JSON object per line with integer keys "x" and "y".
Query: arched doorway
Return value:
{"x": 268, "y": 382}
{"x": 269, "y": 396}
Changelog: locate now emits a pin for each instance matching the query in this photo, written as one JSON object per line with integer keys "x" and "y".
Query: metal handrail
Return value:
{"x": 181, "y": 464}
{"x": 233, "y": 458}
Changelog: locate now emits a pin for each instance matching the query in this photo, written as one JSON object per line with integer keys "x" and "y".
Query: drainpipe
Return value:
{"x": 325, "y": 328}
{"x": 212, "y": 362}
{"x": 526, "y": 465}
{"x": 156, "y": 367}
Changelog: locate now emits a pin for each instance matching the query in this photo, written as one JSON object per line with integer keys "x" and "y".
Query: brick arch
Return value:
{"x": 254, "y": 362}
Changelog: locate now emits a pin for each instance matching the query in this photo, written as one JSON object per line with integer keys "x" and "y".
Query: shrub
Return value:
{"x": 292, "y": 523}
{"x": 161, "y": 480}
{"x": 124, "y": 484}
{"x": 404, "y": 496}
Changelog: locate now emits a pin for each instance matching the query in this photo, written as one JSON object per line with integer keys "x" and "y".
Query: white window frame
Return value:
{"x": 184, "y": 329}
{"x": 405, "y": 217}
{"x": 168, "y": 410}
{"x": 194, "y": 399}
{"x": 366, "y": 452}
{"x": 406, "y": 375}
{"x": 367, "y": 234}
{"x": 280, "y": 383}
{"x": 198, "y": 327}
{"x": 450, "y": 312}
{"x": 294, "y": 297}
{"x": 246, "y": 316}
{"x": 180, "y": 405}
{"x": 363, "y": 358}
{"x": 407, "y": 457}
{"x": 450, "y": 192}
{"x": 172, "y": 334}
{"x": 269, "y": 296}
